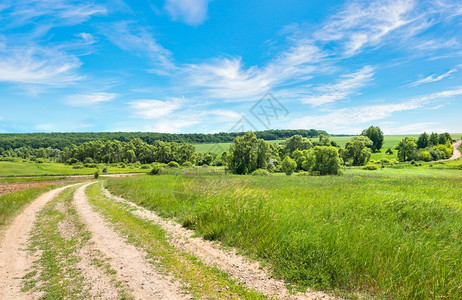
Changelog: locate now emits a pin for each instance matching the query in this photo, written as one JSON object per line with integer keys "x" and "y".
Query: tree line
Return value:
{"x": 428, "y": 147}
{"x": 62, "y": 140}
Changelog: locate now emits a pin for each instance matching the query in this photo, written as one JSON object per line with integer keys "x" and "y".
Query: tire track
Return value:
{"x": 14, "y": 258}
{"x": 129, "y": 262}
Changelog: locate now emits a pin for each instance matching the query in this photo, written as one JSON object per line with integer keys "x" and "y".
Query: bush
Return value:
{"x": 71, "y": 161}
{"x": 303, "y": 173}
{"x": 260, "y": 172}
{"x": 104, "y": 170}
{"x": 90, "y": 165}
{"x": 40, "y": 160}
{"x": 288, "y": 165}
{"x": 88, "y": 160}
{"x": 96, "y": 174}
{"x": 156, "y": 170}
{"x": 370, "y": 167}
{"x": 173, "y": 164}
{"x": 77, "y": 167}
{"x": 389, "y": 151}
{"x": 187, "y": 164}
{"x": 145, "y": 167}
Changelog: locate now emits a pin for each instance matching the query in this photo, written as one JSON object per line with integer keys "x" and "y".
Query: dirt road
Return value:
{"x": 91, "y": 259}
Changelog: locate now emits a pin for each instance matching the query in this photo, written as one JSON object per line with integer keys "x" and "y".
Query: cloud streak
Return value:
{"x": 432, "y": 78}
{"x": 191, "y": 12}
{"x": 90, "y": 99}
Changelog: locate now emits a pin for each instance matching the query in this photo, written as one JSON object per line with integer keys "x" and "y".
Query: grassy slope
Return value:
{"x": 395, "y": 234}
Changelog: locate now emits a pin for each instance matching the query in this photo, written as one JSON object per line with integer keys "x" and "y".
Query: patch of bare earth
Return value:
{"x": 456, "y": 154}
{"x": 15, "y": 261}
{"x": 6, "y": 188}
{"x": 130, "y": 263}
{"x": 252, "y": 274}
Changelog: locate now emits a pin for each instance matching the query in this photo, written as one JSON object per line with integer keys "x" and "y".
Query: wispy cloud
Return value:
{"x": 129, "y": 36}
{"x": 344, "y": 118}
{"x": 88, "y": 38}
{"x": 365, "y": 23}
{"x": 432, "y": 78}
{"x": 38, "y": 65}
{"x": 191, "y": 12}
{"x": 90, "y": 99}
{"x": 154, "y": 109}
{"x": 348, "y": 85}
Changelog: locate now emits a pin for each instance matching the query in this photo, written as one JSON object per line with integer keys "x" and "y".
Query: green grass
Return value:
{"x": 391, "y": 235}
{"x": 30, "y": 168}
{"x": 12, "y": 204}
{"x": 30, "y": 179}
{"x": 200, "y": 280}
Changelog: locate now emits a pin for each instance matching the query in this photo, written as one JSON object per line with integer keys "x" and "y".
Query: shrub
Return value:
{"x": 88, "y": 160}
{"x": 144, "y": 167}
{"x": 389, "y": 151}
{"x": 187, "y": 164}
{"x": 173, "y": 164}
{"x": 370, "y": 167}
{"x": 77, "y": 167}
{"x": 288, "y": 165}
{"x": 303, "y": 173}
{"x": 104, "y": 170}
{"x": 96, "y": 174}
{"x": 71, "y": 161}
{"x": 425, "y": 156}
{"x": 156, "y": 170}
{"x": 260, "y": 172}
{"x": 40, "y": 160}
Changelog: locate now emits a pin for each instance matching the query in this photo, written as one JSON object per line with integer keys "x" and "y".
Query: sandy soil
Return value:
{"x": 6, "y": 188}
{"x": 14, "y": 258}
{"x": 126, "y": 259}
{"x": 240, "y": 268}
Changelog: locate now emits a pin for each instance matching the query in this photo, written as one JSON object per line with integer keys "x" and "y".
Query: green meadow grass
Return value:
{"x": 8, "y": 168}
{"x": 393, "y": 235}
{"x": 11, "y": 204}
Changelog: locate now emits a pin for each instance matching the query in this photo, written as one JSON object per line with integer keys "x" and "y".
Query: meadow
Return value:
{"x": 20, "y": 168}
{"x": 393, "y": 233}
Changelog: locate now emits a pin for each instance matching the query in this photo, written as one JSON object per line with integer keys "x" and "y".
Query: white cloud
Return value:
{"x": 154, "y": 109}
{"x": 90, "y": 99}
{"x": 342, "y": 119}
{"x": 412, "y": 128}
{"x": 432, "y": 78}
{"x": 38, "y": 65}
{"x": 346, "y": 86}
{"x": 365, "y": 23}
{"x": 191, "y": 12}
{"x": 131, "y": 37}
{"x": 87, "y": 37}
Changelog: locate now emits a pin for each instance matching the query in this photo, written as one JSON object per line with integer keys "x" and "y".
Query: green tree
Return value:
{"x": 356, "y": 151}
{"x": 247, "y": 153}
{"x": 406, "y": 149}
{"x": 433, "y": 140}
{"x": 288, "y": 165}
{"x": 375, "y": 134}
{"x": 423, "y": 141}
{"x": 327, "y": 160}
{"x": 296, "y": 142}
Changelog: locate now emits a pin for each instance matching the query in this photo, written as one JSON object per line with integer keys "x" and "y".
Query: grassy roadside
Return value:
{"x": 390, "y": 237}
{"x": 57, "y": 238}
{"x": 202, "y": 281}
{"x": 12, "y": 204}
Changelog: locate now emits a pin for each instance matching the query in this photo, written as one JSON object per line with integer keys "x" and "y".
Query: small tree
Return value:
{"x": 423, "y": 141}
{"x": 406, "y": 149}
{"x": 288, "y": 165}
{"x": 247, "y": 154}
{"x": 327, "y": 160}
{"x": 356, "y": 151}
{"x": 375, "y": 134}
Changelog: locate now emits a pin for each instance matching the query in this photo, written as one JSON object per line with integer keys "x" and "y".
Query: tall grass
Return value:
{"x": 11, "y": 204}
{"x": 395, "y": 238}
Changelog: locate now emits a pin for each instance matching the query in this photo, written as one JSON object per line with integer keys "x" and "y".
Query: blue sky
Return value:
{"x": 203, "y": 66}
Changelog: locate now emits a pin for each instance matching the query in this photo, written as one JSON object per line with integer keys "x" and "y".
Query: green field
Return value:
{"x": 393, "y": 233}
{"x": 8, "y": 168}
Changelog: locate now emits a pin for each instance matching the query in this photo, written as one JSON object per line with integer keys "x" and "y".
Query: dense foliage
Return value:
{"x": 375, "y": 134}
{"x": 427, "y": 147}
{"x": 62, "y": 140}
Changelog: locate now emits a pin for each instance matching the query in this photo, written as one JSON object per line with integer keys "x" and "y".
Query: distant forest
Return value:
{"x": 62, "y": 140}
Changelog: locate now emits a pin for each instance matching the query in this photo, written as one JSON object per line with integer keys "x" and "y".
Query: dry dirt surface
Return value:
{"x": 6, "y": 188}
{"x": 249, "y": 273}
{"x": 129, "y": 262}
{"x": 14, "y": 259}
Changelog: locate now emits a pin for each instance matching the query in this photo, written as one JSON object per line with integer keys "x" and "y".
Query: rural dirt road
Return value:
{"x": 122, "y": 265}
{"x": 14, "y": 259}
